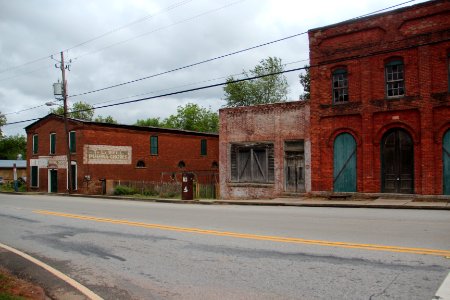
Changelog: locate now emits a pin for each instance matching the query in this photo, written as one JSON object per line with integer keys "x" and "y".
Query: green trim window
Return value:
{"x": 154, "y": 145}
{"x": 35, "y": 144}
{"x": 73, "y": 142}
{"x": 340, "y": 86}
{"x": 395, "y": 79}
{"x": 203, "y": 147}
{"x": 52, "y": 143}
{"x": 34, "y": 176}
{"x": 448, "y": 72}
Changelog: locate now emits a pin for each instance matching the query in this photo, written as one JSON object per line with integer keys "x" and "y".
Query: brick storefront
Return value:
{"x": 380, "y": 108}
{"x": 265, "y": 150}
{"x": 113, "y": 152}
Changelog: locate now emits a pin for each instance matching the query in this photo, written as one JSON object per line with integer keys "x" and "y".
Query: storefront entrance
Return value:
{"x": 397, "y": 162}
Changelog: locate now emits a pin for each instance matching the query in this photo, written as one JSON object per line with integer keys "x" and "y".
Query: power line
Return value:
{"x": 174, "y": 93}
{"x": 190, "y": 65}
{"x": 250, "y": 78}
{"x": 383, "y": 9}
{"x": 170, "y": 7}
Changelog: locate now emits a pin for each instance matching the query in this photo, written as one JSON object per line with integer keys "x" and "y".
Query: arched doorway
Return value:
{"x": 446, "y": 162}
{"x": 397, "y": 162}
{"x": 344, "y": 163}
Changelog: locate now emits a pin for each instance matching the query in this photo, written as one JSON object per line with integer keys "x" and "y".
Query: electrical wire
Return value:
{"x": 189, "y": 66}
{"x": 170, "y": 7}
{"x": 159, "y": 29}
{"x": 174, "y": 93}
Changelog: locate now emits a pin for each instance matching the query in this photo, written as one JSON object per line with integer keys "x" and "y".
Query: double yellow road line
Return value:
{"x": 423, "y": 251}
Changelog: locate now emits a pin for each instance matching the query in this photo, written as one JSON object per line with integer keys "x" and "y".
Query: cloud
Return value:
{"x": 179, "y": 33}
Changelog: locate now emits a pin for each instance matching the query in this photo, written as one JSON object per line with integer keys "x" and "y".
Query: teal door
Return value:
{"x": 446, "y": 162}
{"x": 53, "y": 181}
{"x": 344, "y": 163}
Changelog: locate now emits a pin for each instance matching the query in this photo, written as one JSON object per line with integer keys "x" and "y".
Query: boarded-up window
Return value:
{"x": 72, "y": 142}
{"x": 35, "y": 144}
{"x": 52, "y": 143}
{"x": 252, "y": 163}
{"x": 203, "y": 147}
{"x": 154, "y": 145}
{"x": 34, "y": 176}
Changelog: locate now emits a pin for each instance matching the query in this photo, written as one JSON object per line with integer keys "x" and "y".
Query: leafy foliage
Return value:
{"x": 107, "y": 119}
{"x": 267, "y": 89}
{"x": 11, "y": 146}
{"x": 305, "y": 81}
{"x": 188, "y": 117}
{"x": 79, "y": 110}
{"x": 2, "y": 122}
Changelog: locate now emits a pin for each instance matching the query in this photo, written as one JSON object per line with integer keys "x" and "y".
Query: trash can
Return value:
{"x": 187, "y": 186}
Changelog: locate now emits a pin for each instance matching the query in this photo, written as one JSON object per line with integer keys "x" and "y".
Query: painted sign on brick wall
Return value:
{"x": 106, "y": 155}
{"x": 50, "y": 162}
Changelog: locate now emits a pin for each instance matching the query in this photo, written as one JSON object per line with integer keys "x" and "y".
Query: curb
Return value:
{"x": 56, "y": 284}
{"x": 332, "y": 203}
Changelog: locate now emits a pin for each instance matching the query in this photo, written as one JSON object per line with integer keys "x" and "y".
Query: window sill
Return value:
{"x": 251, "y": 184}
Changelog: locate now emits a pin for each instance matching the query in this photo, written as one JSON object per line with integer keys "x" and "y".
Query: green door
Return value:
{"x": 344, "y": 166}
{"x": 446, "y": 162}
{"x": 53, "y": 181}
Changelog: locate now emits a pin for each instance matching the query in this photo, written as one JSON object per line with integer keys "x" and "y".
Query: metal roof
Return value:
{"x": 10, "y": 163}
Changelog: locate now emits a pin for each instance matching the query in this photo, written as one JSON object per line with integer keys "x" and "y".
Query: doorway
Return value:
{"x": 397, "y": 162}
{"x": 446, "y": 162}
{"x": 294, "y": 162}
{"x": 344, "y": 163}
{"x": 53, "y": 183}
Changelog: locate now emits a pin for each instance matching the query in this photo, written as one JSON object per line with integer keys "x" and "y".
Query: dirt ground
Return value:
{"x": 12, "y": 287}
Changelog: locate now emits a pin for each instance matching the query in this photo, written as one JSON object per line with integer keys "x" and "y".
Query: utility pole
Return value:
{"x": 63, "y": 68}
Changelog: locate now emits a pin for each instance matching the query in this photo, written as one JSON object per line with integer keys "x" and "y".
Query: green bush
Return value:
{"x": 124, "y": 190}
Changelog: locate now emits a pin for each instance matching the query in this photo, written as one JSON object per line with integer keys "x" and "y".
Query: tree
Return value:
{"x": 152, "y": 122}
{"x": 267, "y": 89}
{"x": 108, "y": 119}
{"x": 11, "y": 146}
{"x": 2, "y": 122}
{"x": 79, "y": 110}
{"x": 305, "y": 81}
{"x": 188, "y": 117}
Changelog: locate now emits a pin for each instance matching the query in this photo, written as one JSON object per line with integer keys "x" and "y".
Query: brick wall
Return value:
{"x": 420, "y": 36}
{"x": 272, "y": 123}
{"x": 173, "y": 146}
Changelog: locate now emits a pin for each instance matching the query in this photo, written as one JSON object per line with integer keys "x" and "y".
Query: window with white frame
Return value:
{"x": 395, "y": 79}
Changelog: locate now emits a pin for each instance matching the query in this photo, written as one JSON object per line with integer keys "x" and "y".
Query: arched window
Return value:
{"x": 340, "y": 85}
{"x": 215, "y": 165}
{"x": 181, "y": 164}
{"x": 140, "y": 164}
{"x": 395, "y": 78}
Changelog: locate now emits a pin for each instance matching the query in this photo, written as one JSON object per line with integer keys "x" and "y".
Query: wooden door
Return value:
{"x": 397, "y": 153}
{"x": 446, "y": 162}
{"x": 53, "y": 181}
{"x": 344, "y": 163}
{"x": 294, "y": 172}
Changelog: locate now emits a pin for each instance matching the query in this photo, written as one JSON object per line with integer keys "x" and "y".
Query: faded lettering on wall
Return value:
{"x": 106, "y": 155}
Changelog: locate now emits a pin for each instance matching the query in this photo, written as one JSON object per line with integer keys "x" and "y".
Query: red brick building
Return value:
{"x": 108, "y": 152}
{"x": 265, "y": 150}
{"x": 380, "y": 103}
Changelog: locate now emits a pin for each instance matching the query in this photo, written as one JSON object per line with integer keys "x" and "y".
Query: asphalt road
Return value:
{"x": 136, "y": 250}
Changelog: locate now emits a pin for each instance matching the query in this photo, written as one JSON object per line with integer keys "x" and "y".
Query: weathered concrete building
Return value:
{"x": 380, "y": 103}
{"x": 101, "y": 153}
{"x": 264, "y": 150}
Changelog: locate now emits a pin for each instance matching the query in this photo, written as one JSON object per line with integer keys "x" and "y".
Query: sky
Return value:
{"x": 109, "y": 42}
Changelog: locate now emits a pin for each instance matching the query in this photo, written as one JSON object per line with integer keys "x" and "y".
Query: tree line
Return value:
{"x": 262, "y": 90}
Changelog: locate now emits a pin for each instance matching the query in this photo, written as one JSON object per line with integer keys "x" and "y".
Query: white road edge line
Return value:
{"x": 87, "y": 292}
{"x": 443, "y": 293}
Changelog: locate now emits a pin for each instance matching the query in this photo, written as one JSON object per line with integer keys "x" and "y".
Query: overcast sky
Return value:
{"x": 116, "y": 41}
